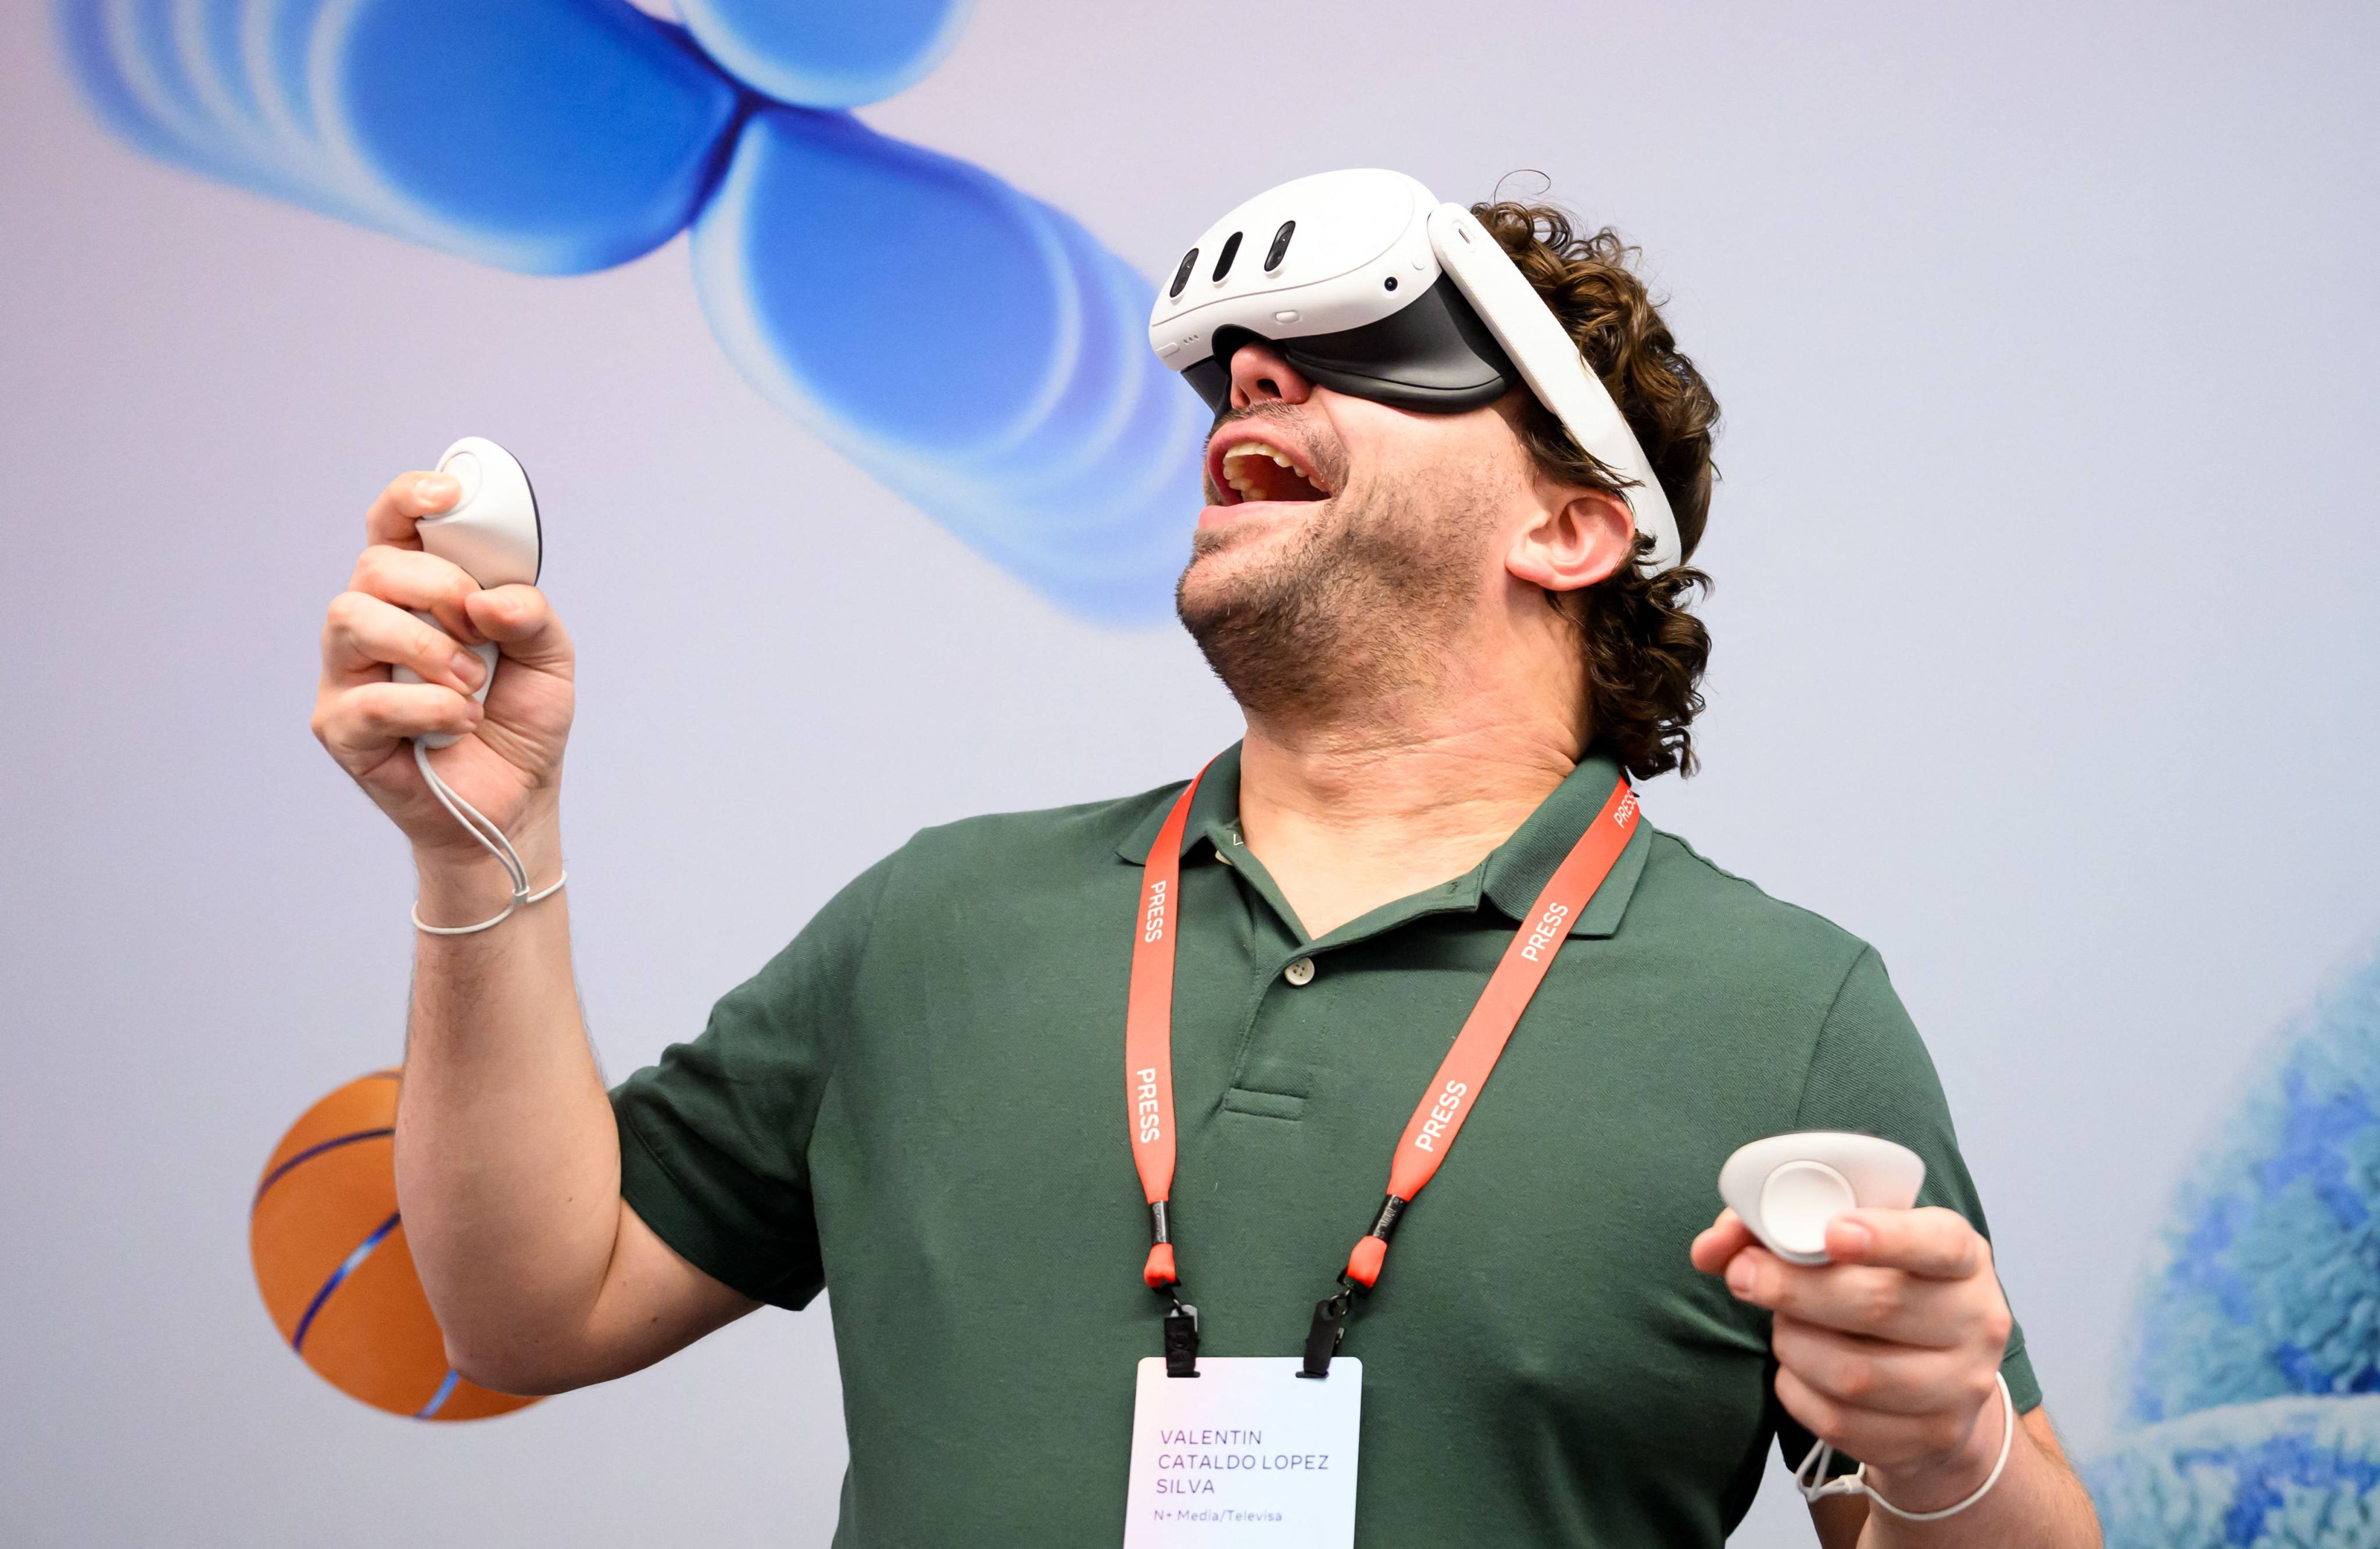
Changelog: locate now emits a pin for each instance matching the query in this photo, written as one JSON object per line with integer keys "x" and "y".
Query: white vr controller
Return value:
{"x": 1788, "y": 1187}
{"x": 491, "y": 532}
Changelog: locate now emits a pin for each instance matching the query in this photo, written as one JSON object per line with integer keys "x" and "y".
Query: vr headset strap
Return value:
{"x": 1550, "y": 363}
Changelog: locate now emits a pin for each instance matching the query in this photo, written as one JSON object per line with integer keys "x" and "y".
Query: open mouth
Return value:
{"x": 1251, "y": 469}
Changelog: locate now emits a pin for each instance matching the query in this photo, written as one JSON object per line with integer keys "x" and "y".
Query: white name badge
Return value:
{"x": 1246, "y": 1452}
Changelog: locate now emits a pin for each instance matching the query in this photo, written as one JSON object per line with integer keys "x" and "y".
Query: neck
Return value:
{"x": 1400, "y": 791}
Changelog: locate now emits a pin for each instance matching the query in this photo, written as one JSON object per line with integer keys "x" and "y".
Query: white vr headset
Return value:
{"x": 1368, "y": 286}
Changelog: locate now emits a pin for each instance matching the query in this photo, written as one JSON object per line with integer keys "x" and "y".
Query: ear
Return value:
{"x": 1573, "y": 539}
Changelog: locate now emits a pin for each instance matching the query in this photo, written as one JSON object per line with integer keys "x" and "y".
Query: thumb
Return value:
{"x": 1716, "y": 1248}
{"x": 519, "y": 619}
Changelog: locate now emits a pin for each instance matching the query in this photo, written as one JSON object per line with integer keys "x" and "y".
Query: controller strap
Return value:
{"x": 491, "y": 839}
{"x": 1814, "y": 1468}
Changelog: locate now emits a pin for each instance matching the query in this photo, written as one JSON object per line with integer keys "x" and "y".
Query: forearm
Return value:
{"x": 2038, "y": 1501}
{"x": 507, "y": 1163}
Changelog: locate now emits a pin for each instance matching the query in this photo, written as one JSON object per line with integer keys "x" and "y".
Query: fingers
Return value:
{"x": 1890, "y": 1351}
{"x": 1940, "y": 1244}
{"x": 408, "y": 498}
{"x": 1879, "y": 1438}
{"x": 1861, "y": 1299}
{"x": 363, "y": 720}
{"x": 364, "y": 636}
{"x": 411, "y": 578}
{"x": 1871, "y": 1373}
{"x": 519, "y": 619}
{"x": 1719, "y": 1243}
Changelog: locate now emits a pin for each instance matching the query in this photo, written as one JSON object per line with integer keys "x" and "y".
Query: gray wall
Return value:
{"x": 2046, "y": 617}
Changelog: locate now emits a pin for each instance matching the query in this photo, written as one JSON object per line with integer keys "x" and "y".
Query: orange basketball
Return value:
{"x": 331, "y": 1260}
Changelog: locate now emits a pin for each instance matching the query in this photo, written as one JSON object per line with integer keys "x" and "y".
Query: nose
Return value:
{"x": 1260, "y": 376}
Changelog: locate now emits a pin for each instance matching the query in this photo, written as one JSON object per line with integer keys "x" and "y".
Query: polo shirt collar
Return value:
{"x": 1518, "y": 869}
{"x": 1512, "y": 877}
{"x": 1214, "y": 812}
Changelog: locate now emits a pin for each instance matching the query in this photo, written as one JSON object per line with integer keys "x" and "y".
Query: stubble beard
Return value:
{"x": 1359, "y": 608}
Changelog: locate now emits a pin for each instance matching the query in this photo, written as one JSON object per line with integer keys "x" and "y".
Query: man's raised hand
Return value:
{"x": 509, "y": 763}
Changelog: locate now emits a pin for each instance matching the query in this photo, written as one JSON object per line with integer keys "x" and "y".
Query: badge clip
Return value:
{"x": 1330, "y": 1328}
{"x": 1182, "y": 1341}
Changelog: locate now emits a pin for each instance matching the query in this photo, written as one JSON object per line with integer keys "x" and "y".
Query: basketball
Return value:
{"x": 330, "y": 1255}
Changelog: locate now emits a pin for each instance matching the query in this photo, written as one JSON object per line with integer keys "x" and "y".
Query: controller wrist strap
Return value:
{"x": 1807, "y": 1478}
{"x": 491, "y": 839}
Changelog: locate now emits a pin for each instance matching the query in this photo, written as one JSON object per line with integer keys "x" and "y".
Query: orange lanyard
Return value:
{"x": 1437, "y": 1119}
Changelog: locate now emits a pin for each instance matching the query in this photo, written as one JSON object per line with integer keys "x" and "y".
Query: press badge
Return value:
{"x": 1246, "y": 1452}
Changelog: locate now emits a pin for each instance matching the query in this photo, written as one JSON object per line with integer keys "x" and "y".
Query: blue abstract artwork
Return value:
{"x": 2251, "y": 1399}
{"x": 1022, "y": 411}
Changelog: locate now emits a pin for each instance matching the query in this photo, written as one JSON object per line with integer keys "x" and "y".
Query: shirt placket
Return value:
{"x": 1289, "y": 963}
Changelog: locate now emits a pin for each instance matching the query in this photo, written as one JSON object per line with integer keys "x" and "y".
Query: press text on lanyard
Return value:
{"x": 1437, "y": 1119}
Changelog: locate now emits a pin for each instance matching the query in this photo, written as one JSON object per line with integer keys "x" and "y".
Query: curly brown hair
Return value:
{"x": 1645, "y": 652}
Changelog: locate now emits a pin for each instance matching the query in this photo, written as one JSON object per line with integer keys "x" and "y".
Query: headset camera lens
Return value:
{"x": 1280, "y": 246}
{"x": 1231, "y": 251}
{"x": 1182, "y": 275}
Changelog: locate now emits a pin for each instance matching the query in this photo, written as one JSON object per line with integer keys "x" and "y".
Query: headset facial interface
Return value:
{"x": 1369, "y": 285}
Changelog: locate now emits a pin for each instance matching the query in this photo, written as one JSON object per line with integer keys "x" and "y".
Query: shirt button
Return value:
{"x": 1299, "y": 973}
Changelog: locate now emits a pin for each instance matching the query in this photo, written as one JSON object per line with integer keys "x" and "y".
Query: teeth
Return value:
{"x": 1257, "y": 449}
{"x": 1237, "y": 479}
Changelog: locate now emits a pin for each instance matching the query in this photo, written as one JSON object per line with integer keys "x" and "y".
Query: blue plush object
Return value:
{"x": 975, "y": 349}
{"x": 2267, "y": 1277}
{"x": 2253, "y": 1385}
{"x": 2283, "y": 1473}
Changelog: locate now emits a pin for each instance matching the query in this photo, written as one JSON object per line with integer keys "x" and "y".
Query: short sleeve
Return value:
{"x": 1870, "y": 1073}
{"x": 714, "y": 1138}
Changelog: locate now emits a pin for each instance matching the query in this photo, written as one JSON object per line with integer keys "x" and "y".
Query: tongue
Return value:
{"x": 1270, "y": 481}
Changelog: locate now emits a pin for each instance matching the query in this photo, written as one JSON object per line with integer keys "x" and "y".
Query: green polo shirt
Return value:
{"x": 919, "y": 1105}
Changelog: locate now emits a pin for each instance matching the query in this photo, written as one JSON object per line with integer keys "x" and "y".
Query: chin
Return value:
{"x": 1221, "y": 575}
{"x": 1209, "y": 584}
{"x": 1242, "y": 551}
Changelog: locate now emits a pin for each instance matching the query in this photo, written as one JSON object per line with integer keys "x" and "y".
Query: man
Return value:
{"x": 1447, "y": 658}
